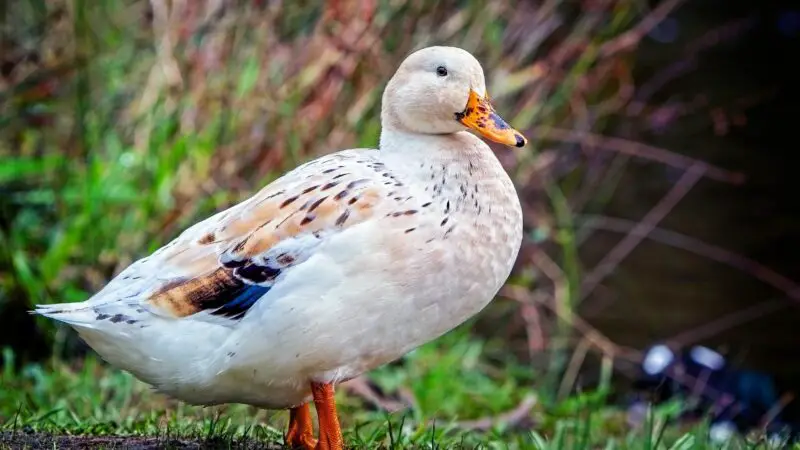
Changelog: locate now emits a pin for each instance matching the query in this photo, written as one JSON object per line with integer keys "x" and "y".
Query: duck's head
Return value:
{"x": 441, "y": 90}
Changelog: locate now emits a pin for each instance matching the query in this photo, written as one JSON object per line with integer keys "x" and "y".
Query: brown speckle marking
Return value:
{"x": 288, "y": 201}
{"x": 342, "y": 218}
{"x": 329, "y": 185}
{"x": 285, "y": 259}
{"x": 341, "y": 194}
{"x": 309, "y": 189}
{"x": 444, "y": 221}
{"x": 403, "y": 213}
{"x": 425, "y": 205}
{"x": 207, "y": 239}
{"x": 352, "y": 200}
{"x": 355, "y": 183}
{"x": 117, "y": 318}
{"x": 307, "y": 219}
{"x": 240, "y": 246}
{"x": 316, "y": 204}
{"x": 410, "y": 230}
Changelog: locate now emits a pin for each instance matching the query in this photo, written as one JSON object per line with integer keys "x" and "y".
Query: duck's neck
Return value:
{"x": 450, "y": 167}
{"x": 454, "y": 149}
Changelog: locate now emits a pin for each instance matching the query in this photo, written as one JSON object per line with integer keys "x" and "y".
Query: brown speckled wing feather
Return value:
{"x": 226, "y": 263}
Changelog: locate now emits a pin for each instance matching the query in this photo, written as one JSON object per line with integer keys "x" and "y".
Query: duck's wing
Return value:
{"x": 217, "y": 269}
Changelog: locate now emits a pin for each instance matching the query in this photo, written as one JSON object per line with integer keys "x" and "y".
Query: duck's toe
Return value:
{"x": 301, "y": 442}
{"x": 301, "y": 429}
{"x": 330, "y": 433}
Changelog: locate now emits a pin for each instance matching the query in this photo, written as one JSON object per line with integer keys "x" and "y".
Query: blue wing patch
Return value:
{"x": 236, "y": 302}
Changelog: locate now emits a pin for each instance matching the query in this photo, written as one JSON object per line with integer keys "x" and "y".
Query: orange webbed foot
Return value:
{"x": 301, "y": 429}
{"x": 330, "y": 433}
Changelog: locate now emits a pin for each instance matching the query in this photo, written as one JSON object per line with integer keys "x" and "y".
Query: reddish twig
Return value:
{"x": 637, "y": 149}
{"x": 641, "y": 230}
{"x": 726, "y": 322}
{"x": 553, "y": 272}
{"x": 697, "y": 246}
{"x": 631, "y": 38}
{"x": 533, "y": 328}
{"x": 776, "y": 409}
{"x": 686, "y": 63}
{"x": 508, "y": 419}
{"x": 591, "y": 334}
{"x": 574, "y": 367}
{"x": 360, "y": 387}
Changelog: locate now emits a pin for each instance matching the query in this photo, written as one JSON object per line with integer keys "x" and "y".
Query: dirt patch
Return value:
{"x": 33, "y": 441}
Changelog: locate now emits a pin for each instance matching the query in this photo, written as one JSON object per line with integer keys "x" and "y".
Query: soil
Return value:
{"x": 19, "y": 440}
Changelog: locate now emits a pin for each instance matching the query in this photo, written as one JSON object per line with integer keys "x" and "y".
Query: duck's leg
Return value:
{"x": 301, "y": 428}
{"x": 330, "y": 433}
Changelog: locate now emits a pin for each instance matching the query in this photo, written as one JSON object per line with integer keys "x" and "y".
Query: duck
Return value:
{"x": 341, "y": 265}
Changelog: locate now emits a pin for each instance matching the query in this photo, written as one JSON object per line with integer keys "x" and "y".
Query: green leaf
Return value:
{"x": 248, "y": 77}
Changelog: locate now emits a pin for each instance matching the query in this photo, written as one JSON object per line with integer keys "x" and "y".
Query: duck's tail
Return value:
{"x": 79, "y": 314}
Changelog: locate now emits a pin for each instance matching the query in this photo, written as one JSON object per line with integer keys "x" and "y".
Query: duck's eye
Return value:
{"x": 441, "y": 71}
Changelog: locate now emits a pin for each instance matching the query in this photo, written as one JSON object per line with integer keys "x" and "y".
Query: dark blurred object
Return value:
{"x": 735, "y": 400}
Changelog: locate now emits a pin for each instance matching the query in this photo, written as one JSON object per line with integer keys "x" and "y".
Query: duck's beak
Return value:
{"x": 480, "y": 116}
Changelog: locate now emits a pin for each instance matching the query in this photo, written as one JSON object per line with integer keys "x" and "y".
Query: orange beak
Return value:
{"x": 480, "y": 116}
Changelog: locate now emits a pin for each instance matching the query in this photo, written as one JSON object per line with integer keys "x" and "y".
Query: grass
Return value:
{"x": 88, "y": 398}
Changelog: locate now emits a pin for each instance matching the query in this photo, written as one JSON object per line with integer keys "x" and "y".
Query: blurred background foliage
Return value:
{"x": 650, "y": 192}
